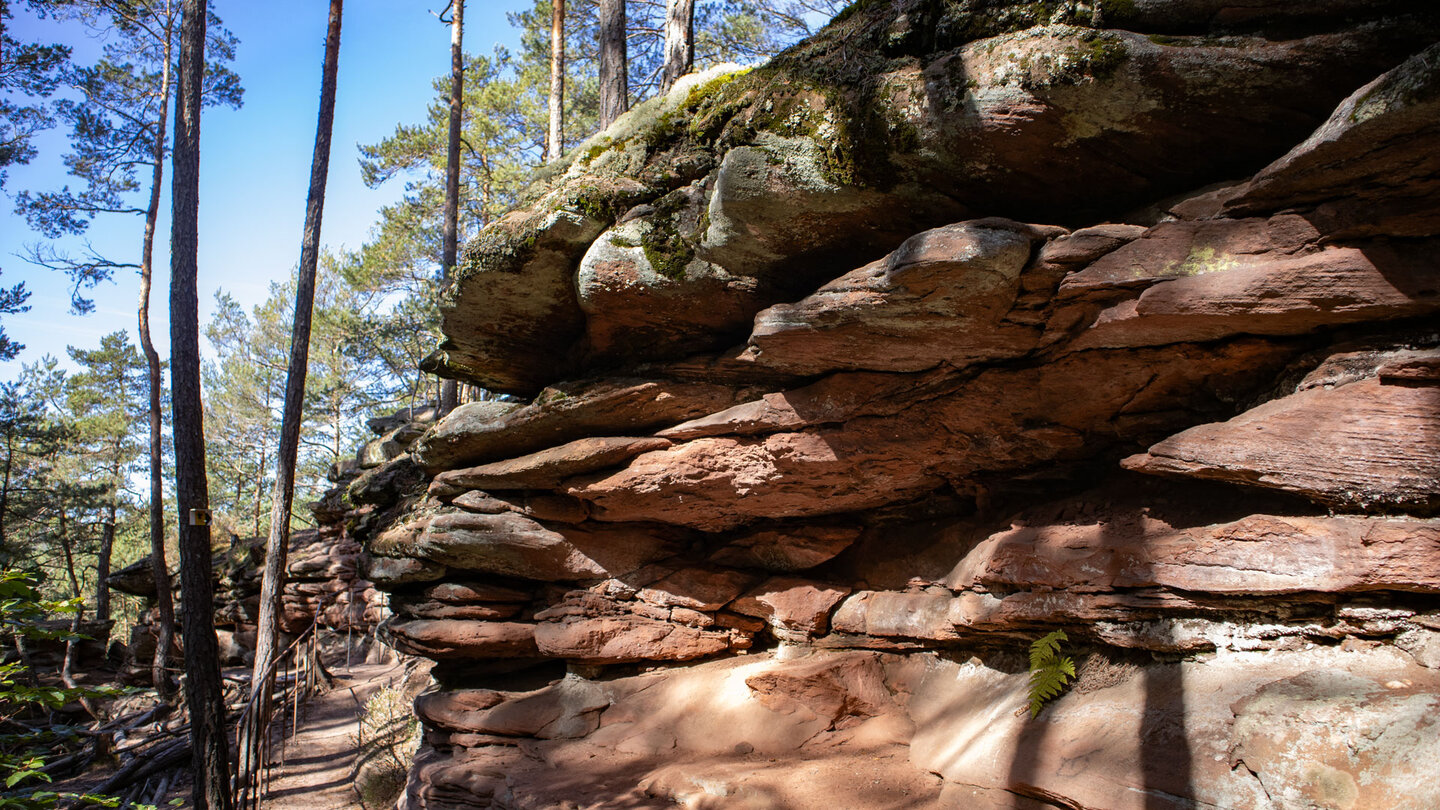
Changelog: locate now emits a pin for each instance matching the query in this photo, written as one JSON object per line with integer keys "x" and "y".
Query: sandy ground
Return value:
{"x": 313, "y": 770}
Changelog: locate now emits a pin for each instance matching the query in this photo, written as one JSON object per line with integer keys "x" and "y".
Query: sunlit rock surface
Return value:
{"x": 850, "y": 376}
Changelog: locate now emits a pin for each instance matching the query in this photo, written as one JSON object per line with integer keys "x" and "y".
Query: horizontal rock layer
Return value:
{"x": 833, "y": 421}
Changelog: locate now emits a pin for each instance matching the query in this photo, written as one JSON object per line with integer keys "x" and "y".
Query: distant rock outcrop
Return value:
{"x": 961, "y": 322}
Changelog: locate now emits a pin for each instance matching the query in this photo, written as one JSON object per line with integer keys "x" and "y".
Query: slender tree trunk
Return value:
{"x": 449, "y": 393}
{"x": 102, "y": 560}
{"x": 259, "y": 488}
{"x": 208, "y": 740}
{"x": 679, "y": 41}
{"x": 555, "y": 138}
{"x": 254, "y": 730}
{"x": 72, "y": 644}
{"x": 614, "y": 87}
{"x": 159, "y": 568}
{"x": 5, "y": 501}
{"x": 107, "y": 534}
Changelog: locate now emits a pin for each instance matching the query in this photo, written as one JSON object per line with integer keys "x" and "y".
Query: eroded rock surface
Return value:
{"x": 830, "y": 419}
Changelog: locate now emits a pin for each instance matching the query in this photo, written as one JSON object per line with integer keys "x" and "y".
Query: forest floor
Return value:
{"x": 313, "y": 759}
{"x": 314, "y": 768}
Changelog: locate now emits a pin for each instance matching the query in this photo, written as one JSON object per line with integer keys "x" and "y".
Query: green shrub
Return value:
{"x": 385, "y": 745}
{"x": 22, "y": 756}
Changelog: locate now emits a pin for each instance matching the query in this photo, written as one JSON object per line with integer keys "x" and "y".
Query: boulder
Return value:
{"x": 548, "y": 468}
{"x": 1332, "y": 738}
{"x": 136, "y": 579}
{"x": 564, "y": 413}
{"x": 793, "y": 605}
{"x": 774, "y": 202}
{"x": 1371, "y": 168}
{"x": 456, "y": 639}
{"x": 1218, "y": 296}
{"x": 388, "y": 446}
{"x": 567, "y": 709}
{"x": 941, "y": 113}
{"x": 792, "y": 548}
{"x": 380, "y": 425}
{"x": 696, "y": 588}
{"x": 646, "y": 294}
{"x": 626, "y": 639}
{"x": 838, "y": 687}
{"x": 939, "y": 298}
{"x": 388, "y": 483}
{"x": 721, "y": 483}
{"x": 524, "y": 266}
{"x": 510, "y": 544}
{"x": 1364, "y": 445}
{"x": 1258, "y": 554}
{"x": 390, "y": 572}
{"x": 951, "y": 430}
{"x": 1144, "y": 732}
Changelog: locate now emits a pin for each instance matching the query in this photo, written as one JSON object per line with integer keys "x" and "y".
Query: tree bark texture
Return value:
{"x": 209, "y": 745}
{"x": 614, "y": 87}
{"x": 159, "y": 568}
{"x": 254, "y": 731}
{"x": 449, "y": 391}
{"x": 105, "y": 552}
{"x": 679, "y": 41}
{"x": 555, "y": 138}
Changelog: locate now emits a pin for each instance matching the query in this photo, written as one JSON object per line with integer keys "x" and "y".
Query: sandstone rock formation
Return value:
{"x": 324, "y": 585}
{"x": 853, "y": 374}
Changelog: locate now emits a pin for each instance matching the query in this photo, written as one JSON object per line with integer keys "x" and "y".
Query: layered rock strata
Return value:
{"x": 848, "y": 421}
{"x": 323, "y": 585}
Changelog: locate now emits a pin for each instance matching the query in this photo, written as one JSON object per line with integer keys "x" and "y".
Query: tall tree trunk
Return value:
{"x": 159, "y": 568}
{"x": 449, "y": 392}
{"x": 679, "y": 41}
{"x": 614, "y": 87}
{"x": 208, "y": 741}
{"x": 254, "y": 730}
{"x": 555, "y": 138}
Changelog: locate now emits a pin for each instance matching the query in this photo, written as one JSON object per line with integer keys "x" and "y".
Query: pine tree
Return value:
{"x": 116, "y": 130}
{"x": 555, "y": 134}
{"x": 614, "y": 72}
{"x": 29, "y": 439}
{"x": 254, "y": 732}
{"x": 244, "y": 387}
{"x": 29, "y": 73}
{"x": 449, "y": 391}
{"x": 208, "y": 736}
{"x": 679, "y": 41}
{"x": 105, "y": 405}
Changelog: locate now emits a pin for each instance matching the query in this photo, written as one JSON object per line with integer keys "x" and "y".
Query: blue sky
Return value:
{"x": 255, "y": 161}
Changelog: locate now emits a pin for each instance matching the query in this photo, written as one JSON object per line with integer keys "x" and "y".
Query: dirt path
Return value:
{"x": 318, "y": 760}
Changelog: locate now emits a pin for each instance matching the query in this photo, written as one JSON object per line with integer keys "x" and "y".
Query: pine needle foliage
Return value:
{"x": 1049, "y": 670}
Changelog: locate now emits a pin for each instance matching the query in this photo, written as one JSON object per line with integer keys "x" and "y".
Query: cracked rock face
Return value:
{"x": 829, "y": 420}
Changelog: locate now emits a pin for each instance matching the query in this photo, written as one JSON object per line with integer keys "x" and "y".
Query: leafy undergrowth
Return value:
{"x": 385, "y": 742}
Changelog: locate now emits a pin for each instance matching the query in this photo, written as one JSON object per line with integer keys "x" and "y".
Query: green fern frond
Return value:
{"x": 1049, "y": 670}
{"x": 1046, "y": 648}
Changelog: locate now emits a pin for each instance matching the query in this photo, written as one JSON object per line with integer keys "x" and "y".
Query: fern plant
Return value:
{"x": 1049, "y": 670}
